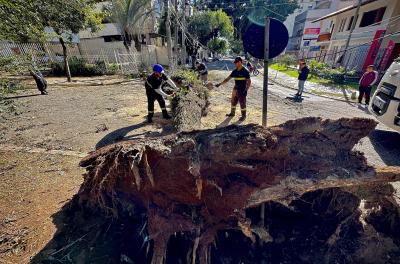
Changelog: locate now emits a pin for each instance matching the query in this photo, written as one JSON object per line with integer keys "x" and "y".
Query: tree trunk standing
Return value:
{"x": 183, "y": 32}
{"x": 66, "y": 65}
{"x": 126, "y": 41}
{"x": 138, "y": 45}
{"x": 176, "y": 36}
{"x": 169, "y": 40}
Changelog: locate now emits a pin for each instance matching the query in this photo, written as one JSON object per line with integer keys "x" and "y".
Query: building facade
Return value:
{"x": 305, "y": 33}
{"x": 374, "y": 40}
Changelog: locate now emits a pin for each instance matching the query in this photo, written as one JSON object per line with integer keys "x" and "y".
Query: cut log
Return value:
{"x": 203, "y": 182}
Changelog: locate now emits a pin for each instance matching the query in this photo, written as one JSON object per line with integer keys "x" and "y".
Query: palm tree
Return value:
{"x": 130, "y": 15}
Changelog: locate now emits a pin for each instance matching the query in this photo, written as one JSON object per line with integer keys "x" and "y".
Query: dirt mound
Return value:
{"x": 262, "y": 191}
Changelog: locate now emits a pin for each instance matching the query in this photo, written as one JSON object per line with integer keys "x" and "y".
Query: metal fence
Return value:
{"x": 353, "y": 59}
{"x": 44, "y": 54}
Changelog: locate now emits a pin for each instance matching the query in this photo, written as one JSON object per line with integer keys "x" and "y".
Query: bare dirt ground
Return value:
{"x": 40, "y": 147}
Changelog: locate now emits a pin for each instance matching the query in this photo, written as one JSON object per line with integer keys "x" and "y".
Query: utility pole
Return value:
{"x": 176, "y": 37}
{"x": 265, "y": 84}
{"x": 353, "y": 25}
{"x": 183, "y": 33}
{"x": 169, "y": 40}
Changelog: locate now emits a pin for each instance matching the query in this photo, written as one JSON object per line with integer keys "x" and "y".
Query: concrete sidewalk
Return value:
{"x": 334, "y": 92}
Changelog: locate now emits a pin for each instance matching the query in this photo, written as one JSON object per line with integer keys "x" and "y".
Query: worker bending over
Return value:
{"x": 154, "y": 92}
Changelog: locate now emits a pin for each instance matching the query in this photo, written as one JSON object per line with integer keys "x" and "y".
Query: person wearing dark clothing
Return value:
{"x": 368, "y": 79}
{"x": 154, "y": 92}
{"x": 242, "y": 84}
{"x": 303, "y": 75}
{"x": 201, "y": 68}
{"x": 41, "y": 82}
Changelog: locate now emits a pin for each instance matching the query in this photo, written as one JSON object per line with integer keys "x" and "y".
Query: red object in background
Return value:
{"x": 373, "y": 49}
{"x": 387, "y": 55}
{"x": 312, "y": 31}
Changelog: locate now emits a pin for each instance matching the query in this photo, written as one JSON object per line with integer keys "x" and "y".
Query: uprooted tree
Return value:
{"x": 292, "y": 190}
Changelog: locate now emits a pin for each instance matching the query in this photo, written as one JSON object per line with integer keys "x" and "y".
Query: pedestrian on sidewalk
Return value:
{"x": 202, "y": 70}
{"x": 154, "y": 92}
{"x": 369, "y": 78}
{"x": 303, "y": 75}
{"x": 242, "y": 84}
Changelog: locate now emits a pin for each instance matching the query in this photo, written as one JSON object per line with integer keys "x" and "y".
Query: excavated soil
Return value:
{"x": 294, "y": 193}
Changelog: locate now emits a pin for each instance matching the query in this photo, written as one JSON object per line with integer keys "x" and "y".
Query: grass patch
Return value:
{"x": 293, "y": 73}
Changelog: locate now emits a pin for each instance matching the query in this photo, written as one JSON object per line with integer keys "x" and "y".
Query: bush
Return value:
{"x": 9, "y": 86}
{"x": 112, "y": 68}
{"x": 81, "y": 67}
{"x": 189, "y": 75}
{"x": 286, "y": 60}
{"x": 317, "y": 67}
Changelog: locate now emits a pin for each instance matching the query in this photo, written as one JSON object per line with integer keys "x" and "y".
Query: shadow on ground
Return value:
{"x": 21, "y": 96}
{"x": 92, "y": 237}
{"x": 121, "y": 134}
{"x": 387, "y": 145}
{"x": 306, "y": 231}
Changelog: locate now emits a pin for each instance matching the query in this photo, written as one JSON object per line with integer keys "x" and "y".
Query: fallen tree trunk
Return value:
{"x": 189, "y": 106}
{"x": 204, "y": 182}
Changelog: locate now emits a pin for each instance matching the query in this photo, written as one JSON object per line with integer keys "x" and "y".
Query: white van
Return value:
{"x": 385, "y": 104}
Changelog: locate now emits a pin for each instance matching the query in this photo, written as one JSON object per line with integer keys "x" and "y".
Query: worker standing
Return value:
{"x": 154, "y": 92}
{"x": 242, "y": 84}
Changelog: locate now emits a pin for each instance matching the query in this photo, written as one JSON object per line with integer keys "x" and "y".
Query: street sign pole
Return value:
{"x": 265, "y": 86}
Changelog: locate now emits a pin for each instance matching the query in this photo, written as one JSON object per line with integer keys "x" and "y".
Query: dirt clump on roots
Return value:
{"x": 293, "y": 193}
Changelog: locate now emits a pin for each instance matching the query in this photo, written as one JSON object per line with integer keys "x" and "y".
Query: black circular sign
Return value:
{"x": 253, "y": 39}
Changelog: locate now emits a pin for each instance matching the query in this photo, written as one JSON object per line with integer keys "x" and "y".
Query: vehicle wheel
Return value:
{"x": 256, "y": 72}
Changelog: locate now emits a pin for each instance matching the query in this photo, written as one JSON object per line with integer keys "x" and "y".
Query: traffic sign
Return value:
{"x": 253, "y": 39}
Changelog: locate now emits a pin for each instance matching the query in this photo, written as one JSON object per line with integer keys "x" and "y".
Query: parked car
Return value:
{"x": 385, "y": 104}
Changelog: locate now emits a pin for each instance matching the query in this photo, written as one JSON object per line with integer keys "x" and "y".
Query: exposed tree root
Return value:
{"x": 202, "y": 183}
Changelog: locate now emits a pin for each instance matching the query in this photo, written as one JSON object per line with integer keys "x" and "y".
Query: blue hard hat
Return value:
{"x": 158, "y": 68}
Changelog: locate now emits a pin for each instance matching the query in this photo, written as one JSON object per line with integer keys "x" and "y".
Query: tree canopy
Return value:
{"x": 242, "y": 12}
{"x": 208, "y": 25}
{"x": 25, "y": 20}
{"x": 130, "y": 15}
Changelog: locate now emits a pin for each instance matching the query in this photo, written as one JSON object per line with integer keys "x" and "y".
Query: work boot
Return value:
{"x": 44, "y": 93}
{"x": 166, "y": 115}
{"x": 150, "y": 118}
{"x": 243, "y": 117}
{"x": 232, "y": 113}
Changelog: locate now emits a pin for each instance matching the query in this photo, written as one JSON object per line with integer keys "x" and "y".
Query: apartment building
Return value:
{"x": 305, "y": 33}
{"x": 375, "y": 39}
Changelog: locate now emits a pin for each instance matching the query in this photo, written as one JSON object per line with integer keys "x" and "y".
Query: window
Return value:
{"x": 342, "y": 24}
{"x": 372, "y": 17}
{"x": 112, "y": 38}
{"x": 350, "y": 23}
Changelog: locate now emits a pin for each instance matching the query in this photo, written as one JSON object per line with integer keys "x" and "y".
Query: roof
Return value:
{"x": 343, "y": 10}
